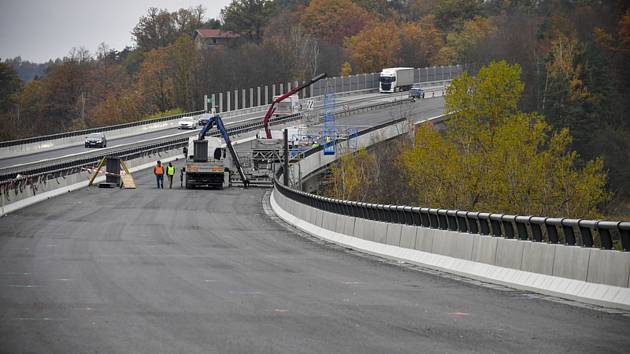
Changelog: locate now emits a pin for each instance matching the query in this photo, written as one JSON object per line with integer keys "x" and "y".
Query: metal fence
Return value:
{"x": 254, "y": 97}
{"x": 572, "y": 232}
{"x": 94, "y": 130}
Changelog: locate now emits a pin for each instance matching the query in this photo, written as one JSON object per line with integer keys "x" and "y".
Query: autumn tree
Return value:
{"x": 494, "y": 157}
{"x": 376, "y": 47}
{"x": 451, "y": 14}
{"x": 334, "y": 20}
{"x": 473, "y": 32}
{"x": 184, "y": 61}
{"x": 155, "y": 80}
{"x": 421, "y": 43}
{"x": 10, "y": 86}
{"x": 352, "y": 176}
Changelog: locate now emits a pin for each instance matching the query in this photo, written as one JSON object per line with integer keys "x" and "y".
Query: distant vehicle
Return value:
{"x": 416, "y": 91}
{"x": 96, "y": 140}
{"x": 203, "y": 120}
{"x": 290, "y": 105}
{"x": 186, "y": 123}
{"x": 395, "y": 79}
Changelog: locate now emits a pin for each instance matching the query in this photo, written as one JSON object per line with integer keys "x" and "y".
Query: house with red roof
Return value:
{"x": 205, "y": 38}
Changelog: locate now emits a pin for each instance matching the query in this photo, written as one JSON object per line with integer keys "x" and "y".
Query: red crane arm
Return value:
{"x": 282, "y": 97}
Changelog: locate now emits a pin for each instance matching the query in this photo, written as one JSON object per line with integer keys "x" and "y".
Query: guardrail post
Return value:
{"x": 228, "y": 101}
{"x": 472, "y": 222}
{"x": 585, "y": 232}
{"x": 624, "y": 234}
{"x": 484, "y": 223}
{"x": 251, "y": 97}
{"x": 507, "y": 226}
{"x": 605, "y": 237}
{"x": 521, "y": 227}
{"x": 569, "y": 235}
{"x": 462, "y": 223}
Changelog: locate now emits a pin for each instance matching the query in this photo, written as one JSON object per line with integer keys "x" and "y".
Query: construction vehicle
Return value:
{"x": 395, "y": 79}
{"x": 207, "y": 163}
{"x": 278, "y": 99}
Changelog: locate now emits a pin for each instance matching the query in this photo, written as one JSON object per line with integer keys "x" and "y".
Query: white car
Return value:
{"x": 186, "y": 123}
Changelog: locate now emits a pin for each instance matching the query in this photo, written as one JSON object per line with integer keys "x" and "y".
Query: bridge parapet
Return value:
{"x": 585, "y": 260}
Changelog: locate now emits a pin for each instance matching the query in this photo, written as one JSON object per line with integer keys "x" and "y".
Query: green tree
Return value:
{"x": 154, "y": 30}
{"x": 247, "y": 17}
{"x": 451, "y": 14}
{"x": 351, "y": 176}
{"x": 421, "y": 43}
{"x": 494, "y": 157}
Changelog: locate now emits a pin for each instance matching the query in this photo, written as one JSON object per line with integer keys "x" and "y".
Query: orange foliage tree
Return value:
{"x": 421, "y": 43}
{"x": 333, "y": 20}
{"x": 375, "y": 47}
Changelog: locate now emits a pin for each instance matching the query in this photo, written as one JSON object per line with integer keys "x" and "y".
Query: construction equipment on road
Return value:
{"x": 207, "y": 163}
{"x": 114, "y": 177}
{"x": 278, "y": 99}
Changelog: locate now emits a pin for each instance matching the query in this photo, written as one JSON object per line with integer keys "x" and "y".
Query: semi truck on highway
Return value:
{"x": 395, "y": 80}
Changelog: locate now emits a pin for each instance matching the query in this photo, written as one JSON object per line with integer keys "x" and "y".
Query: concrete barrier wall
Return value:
{"x": 15, "y": 199}
{"x": 595, "y": 276}
{"x": 314, "y": 162}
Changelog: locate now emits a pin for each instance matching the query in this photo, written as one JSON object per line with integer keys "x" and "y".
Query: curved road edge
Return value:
{"x": 582, "y": 291}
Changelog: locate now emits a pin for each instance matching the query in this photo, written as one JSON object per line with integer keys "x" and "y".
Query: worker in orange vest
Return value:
{"x": 158, "y": 171}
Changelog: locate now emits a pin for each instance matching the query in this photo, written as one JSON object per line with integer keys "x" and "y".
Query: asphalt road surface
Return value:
{"x": 209, "y": 271}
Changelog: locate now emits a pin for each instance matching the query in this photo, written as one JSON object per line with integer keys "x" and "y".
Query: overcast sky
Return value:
{"x": 38, "y": 30}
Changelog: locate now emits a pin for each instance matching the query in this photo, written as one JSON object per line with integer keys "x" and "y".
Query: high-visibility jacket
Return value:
{"x": 158, "y": 170}
{"x": 170, "y": 170}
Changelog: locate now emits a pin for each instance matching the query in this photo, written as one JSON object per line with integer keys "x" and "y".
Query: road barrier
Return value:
{"x": 340, "y": 85}
{"x": 585, "y": 260}
{"x": 19, "y": 182}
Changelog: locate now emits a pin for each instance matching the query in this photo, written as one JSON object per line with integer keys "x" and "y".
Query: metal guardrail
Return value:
{"x": 94, "y": 130}
{"x": 572, "y": 232}
{"x": 226, "y": 114}
{"x": 67, "y": 163}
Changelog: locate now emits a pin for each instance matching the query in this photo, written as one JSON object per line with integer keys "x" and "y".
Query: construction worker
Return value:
{"x": 170, "y": 171}
{"x": 158, "y": 171}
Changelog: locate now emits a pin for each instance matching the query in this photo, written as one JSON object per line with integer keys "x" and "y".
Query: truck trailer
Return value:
{"x": 395, "y": 80}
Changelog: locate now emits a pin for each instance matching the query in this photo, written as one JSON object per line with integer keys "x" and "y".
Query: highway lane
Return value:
{"x": 79, "y": 148}
{"x": 181, "y": 271}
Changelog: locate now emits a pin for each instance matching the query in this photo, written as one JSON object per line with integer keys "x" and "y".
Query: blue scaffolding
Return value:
{"x": 330, "y": 124}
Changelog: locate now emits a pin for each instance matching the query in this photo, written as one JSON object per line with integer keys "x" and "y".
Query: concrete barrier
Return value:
{"x": 599, "y": 277}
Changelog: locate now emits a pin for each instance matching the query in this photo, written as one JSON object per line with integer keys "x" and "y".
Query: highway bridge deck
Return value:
{"x": 169, "y": 271}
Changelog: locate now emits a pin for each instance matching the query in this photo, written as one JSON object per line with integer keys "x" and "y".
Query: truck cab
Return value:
{"x": 395, "y": 79}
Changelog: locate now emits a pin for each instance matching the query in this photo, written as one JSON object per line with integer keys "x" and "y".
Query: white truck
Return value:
{"x": 395, "y": 79}
{"x": 290, "y": 105}
{"x": 207, "y": 164}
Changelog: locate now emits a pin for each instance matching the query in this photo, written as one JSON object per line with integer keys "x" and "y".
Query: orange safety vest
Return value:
{"x": 158, "y": 170}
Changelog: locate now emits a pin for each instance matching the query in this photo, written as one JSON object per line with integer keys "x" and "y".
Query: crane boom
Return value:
{"x": 216, "y": 119}
{"x": 279, "y": 99}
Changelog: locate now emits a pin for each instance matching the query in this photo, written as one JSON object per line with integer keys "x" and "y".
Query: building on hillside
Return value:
{"x": 207, "y": 38}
